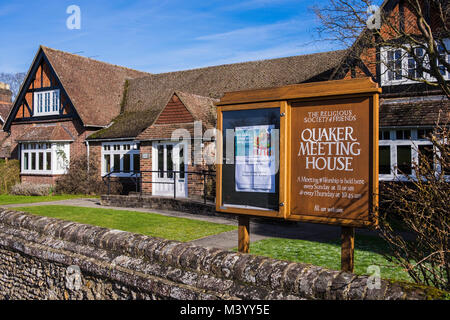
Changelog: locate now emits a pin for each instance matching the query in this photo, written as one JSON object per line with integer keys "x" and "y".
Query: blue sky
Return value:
{"x": 160, "y": 36}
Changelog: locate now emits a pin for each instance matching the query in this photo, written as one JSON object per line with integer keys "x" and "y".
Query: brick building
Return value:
{"x": 408, "y": 109}
{"x": 125, "y": 120}
{"x": 156, "y": 107}
{"x": 63, "y": 99}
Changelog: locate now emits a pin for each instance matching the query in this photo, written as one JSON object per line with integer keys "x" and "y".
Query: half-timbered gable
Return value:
{"x": 42, "y": 96}
{"x": 63, "y": 99}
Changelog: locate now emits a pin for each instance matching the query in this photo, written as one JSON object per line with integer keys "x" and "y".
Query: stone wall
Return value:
{"x": 40, "y": 258}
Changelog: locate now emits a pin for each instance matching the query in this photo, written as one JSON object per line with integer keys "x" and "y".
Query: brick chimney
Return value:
{"x": 5, "y": 93}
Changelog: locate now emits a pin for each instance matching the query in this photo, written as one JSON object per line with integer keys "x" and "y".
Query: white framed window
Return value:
{"x": 398, "y": 66}
{"x": 399, "y": 149}
{"x": 47, "y": 103}
{"x": 121, "y": 158}
{"x": 44, "y": 158}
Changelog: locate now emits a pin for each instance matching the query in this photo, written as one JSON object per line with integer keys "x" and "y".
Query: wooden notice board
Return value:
{"x": 312, "y": 149}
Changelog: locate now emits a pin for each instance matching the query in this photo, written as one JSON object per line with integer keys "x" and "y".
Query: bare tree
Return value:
{"x": 419, "y": 32}
{"x": 14, "y": 80}
{"x": 421, "y": 204}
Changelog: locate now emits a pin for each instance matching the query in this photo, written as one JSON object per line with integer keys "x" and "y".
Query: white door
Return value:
{"x": 169, "y": 159}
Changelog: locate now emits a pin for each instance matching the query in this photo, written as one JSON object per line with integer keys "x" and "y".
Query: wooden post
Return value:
{"x": 244, "y": 234}
{"x": 348, "y": 249}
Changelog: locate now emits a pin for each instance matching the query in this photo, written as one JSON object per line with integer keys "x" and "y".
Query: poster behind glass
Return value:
{"x": 251, "y": 179}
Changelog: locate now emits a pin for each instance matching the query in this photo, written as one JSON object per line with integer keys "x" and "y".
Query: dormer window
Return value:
{"x": 46, "y": 103}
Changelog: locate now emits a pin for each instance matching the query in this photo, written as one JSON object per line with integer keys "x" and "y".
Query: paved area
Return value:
{"x": 259, "y": 229}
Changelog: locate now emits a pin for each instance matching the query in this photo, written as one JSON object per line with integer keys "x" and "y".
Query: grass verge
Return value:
{"x": 12, "y": 199}
{"x": 150, "y": 224}
{"x": 368, "y": 252}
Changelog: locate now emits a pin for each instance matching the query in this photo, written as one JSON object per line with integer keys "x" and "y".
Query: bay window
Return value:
{"x": 44, "y": 158}
{"x": 120, "y": 158}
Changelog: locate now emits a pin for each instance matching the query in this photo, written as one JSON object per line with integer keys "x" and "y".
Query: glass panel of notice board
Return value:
{"x": 250, "y": 176}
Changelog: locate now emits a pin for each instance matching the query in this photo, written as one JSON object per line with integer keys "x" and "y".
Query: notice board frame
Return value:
{"x": 283, "y": 98}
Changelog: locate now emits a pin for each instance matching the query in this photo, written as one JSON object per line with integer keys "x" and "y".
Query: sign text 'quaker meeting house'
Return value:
{"x": 305, "y": 152}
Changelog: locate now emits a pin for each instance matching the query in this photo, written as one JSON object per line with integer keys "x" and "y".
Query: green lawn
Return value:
{"x": 11, "y": 199}
{"x": 368, "y": 251}
{"x": 150, "y": 224}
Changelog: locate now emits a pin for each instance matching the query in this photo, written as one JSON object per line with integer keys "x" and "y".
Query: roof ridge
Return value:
{"x": 94, "y": 60}
{"x": 240, "y": 63}
{"x": 194, "y": 95}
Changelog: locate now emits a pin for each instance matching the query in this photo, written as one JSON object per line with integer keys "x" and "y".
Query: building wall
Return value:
{"x": 146, "y": 165}
{"x": 39, "y": 179}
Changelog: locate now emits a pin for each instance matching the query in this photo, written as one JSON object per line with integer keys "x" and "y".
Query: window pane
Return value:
{"x": 384, "y": 135}
{"x": 426, "y": 155}
{"x": 41, "y": 161}
{"x": 49, "y": 161}
{"x": 404, "y": 159}
{"x": 40, "y": 102}
{"x": 170, "y": 161}
{"x": 442, "y": 53}
{"x": 161, "y": 161}
{"x": 126, "y": 163}
{"x": 181, "y": 162}
{"x": 61, "y": 157}
{"x": 26, "y": 157}
{"x": 385, "y": 160}
{"x": 117, "y": 162}
{"x": 137, "y": 162}
{"x": 33, "y": 161}
{"x": 56, "y": 101}
{"x": 107, "y": 162}
{"x": 403, "y": 134}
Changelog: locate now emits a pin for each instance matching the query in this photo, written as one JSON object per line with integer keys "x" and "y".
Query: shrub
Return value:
{"x": 9, "y": 175}
{"x": 31, "y": 189}
{"x": 422, "y": 207}
{"x": 80, "y": 180}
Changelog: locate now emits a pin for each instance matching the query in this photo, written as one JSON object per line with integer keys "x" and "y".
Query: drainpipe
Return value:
{"x": 87, "y": 152}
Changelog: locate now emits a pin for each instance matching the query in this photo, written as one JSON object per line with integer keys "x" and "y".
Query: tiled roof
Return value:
{"x": 132, "y": 124}
{"x": 213, "y": 82}
{"x": 95, "y": 88}
{"x": 199, "y": 88}
{"x": 4, "y": 111}
{"x": 202, "y": 108}
{"x": 425, "y": 113}
{"x": 49, "y": 133}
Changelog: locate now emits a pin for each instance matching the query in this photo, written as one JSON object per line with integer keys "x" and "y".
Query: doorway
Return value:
{"x": 169, "y": 160}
